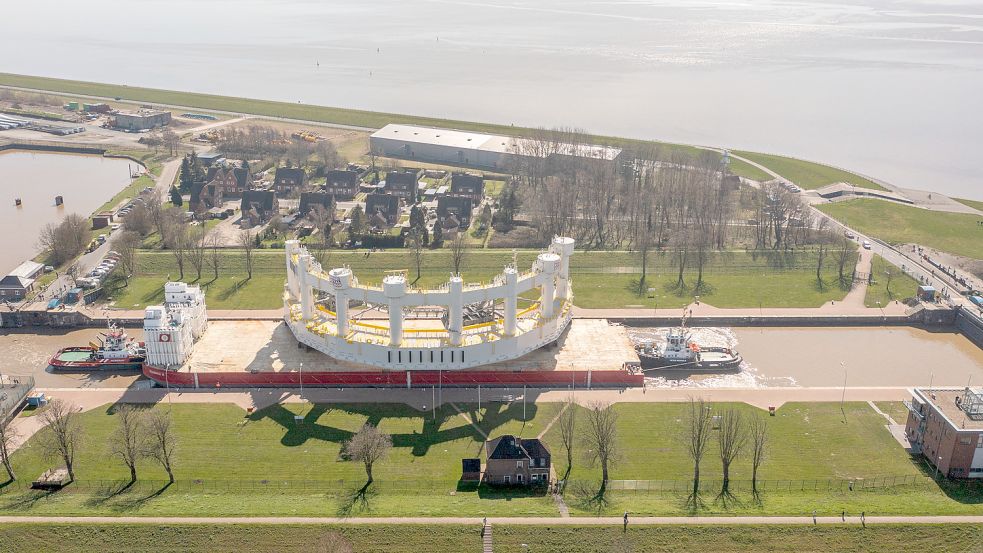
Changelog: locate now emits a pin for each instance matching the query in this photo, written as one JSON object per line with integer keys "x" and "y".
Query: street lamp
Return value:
{"x": 843, "y": 396}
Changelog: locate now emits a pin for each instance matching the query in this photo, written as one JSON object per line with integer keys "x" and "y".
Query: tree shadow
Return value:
{"x": 694, "y": 503}
{"x": 105, "y": 493}
{"x": 124, "y": 505}
{"x": 356, "y": 501}
{"x": 587, "y": 498}
{"x": 28, "y": 500}
{"x": 728, "y": 500}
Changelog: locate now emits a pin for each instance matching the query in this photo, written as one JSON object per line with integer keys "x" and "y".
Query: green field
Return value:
{"x": 903, "y": 286}
{"x": 440, "y": 538}
{"x": 975, "y": 204}
{"x": 807, "y": 174}
{"x": 744, "y": 169}
{"x": 601, "y": 279}
{"x": 266, "y": 464}
{"x": 957, "y": 233}
{"x": 895, "y": 409}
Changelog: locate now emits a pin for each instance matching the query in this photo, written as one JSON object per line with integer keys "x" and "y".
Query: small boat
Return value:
{"x": 681, "y": 353}
{"x": 116, "y": 350}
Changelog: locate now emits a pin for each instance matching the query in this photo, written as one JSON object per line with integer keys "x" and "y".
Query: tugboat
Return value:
{"x": 115, "y": 351}
{"x": 681, "y": 353}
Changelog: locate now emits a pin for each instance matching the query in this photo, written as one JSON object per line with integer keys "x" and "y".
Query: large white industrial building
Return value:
{"x": 171, "y": 330}
{"x": 453, "y": 326}
{"x": 473, "y": 149}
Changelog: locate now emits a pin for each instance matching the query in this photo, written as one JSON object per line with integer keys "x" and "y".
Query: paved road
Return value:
{"x": 852, "y": 519}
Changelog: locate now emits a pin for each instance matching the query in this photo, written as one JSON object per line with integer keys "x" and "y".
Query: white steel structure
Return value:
{"x": 455, "y": 326}
{"x": 171, "y": 330}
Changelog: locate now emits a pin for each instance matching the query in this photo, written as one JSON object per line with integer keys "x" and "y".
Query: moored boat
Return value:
{"x": 681, "y": 353}
{"x": 114, "y": 351}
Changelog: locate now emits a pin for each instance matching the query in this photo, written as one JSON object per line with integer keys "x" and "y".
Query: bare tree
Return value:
{"x": 758, "y": 433}
{"x": 214, "y": 254}
{"x": 247, "y": 242}
{"x": 417, "y": 250}
{"x": 64, "y": 436}
{"x": 368, "y": 445}
{"x": 73, "y": 271}
{"x": 697, "y": 437}
{"x": 161, "y": 441}
{"x": 139, "y": 220}
{"x": 730, "y": 442}
{"x": 176, "y": 239}
{"x": 7, "y": 436}
{"x": 127, "y": 441}
{"x": 888, "y": 276}
{"x": 126, "y": 245}
{"x": 155, "y": 211}
{"x": 842, "y": 256}
{"x": 459, "y": 250}
{"x": 601, "y": 437}
{"x": 823, "y": 240}
{"x": 197, "y": 247}
{"x": 64, "y": 240}
{"x": 567, "y": 421}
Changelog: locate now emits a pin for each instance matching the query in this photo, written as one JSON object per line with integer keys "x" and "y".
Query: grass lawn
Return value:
{"x": 205, "y": 538}
{"x": 266, "y": 464}
{"x": 438, "y": 538}
{"x": 702, "y": 539}
{"x": 903, "y": 286}
{"x": 807, "y": 174}
{"x": 601, "y": 279}
{"x": 975, "y": 204}
{"x": 744, "y": 169}
{"x": 958, "y": 233}
{"x": 895, "y": 409}
{"x": 131, "y": 191}
{"x": 307, "y": 112}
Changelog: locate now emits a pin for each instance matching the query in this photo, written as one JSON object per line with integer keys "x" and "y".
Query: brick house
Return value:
{"x": 403, "y": 184}
{"x": 231, "y": 181}
{"x": 945, "y": 425}
{"x": 205, "y": 196}
{"x": 20, "y": 281}
{"x": 288, "y": 180}
{"x": 467, "y": 185}
{"x": 514, "y": 461}
{"x": 454, "y": 212}
{"x": 308, "y": 200}
{"x": 381, "y": 210}
{"x": 258, "y": 207}
{"x": 343, "y": 185}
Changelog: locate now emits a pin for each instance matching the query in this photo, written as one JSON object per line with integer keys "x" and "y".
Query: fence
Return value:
{"x": 408, "y": 487}
{"x": 13, "y": 390}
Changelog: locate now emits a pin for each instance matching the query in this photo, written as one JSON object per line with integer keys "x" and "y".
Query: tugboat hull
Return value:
{"x": 84, "y": 359}
{"x": 723, "y": 361}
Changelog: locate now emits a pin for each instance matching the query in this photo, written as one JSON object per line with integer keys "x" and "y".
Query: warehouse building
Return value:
{"x": 472, "y": 149}
{"x": 143, "y": 119}
{"x": 945, "y": 425}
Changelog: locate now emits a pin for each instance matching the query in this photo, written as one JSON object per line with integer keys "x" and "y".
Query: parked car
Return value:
{"x": 849, "y": 235}
{"x": 866, "y": 245}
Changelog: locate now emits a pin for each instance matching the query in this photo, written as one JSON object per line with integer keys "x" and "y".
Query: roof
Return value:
{"x": 293, "y": 173}
{"x": 27, "y": 269}
{"x": 401, "y": 180}
{"x": 944, "y": 400}
{"x": 470, "y": 465}
{"x": 387, "y": 202}
{"x": 467, "y": 183}
{"x": 311, "y": 199}
{"x": 340, "y": 176}
{"x": 508, "y": 447}
{"x": 459, "y": 204}
{"x": 264, "y": 198}
{"x": 11, "y": 282}
{"x": 481, "y": 141}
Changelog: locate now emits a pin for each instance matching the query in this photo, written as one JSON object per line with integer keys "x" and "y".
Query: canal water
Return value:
{"x": 822, "y": 356}
{"x": 84, "y": 181}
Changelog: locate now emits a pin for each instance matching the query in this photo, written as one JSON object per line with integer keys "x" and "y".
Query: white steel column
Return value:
{"x": 563, "y": 246}
{"x": 395, "y": 288}
{"x": 548, "y": 263}
{"x": 306, "y": 292}
{"x": 291, "y": 247}
{"x": 455, "y": 309}
{"x": 511, "y": 300}
{"x": 341, "y": 279}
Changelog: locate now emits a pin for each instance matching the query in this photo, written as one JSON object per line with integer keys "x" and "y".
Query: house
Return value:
{"x": 102, "y": 220}
{"x": 470, "y": 470}
{"x": 308, "y": 200}
{"x": 403, "y": 184}
{"x": 467, "y": 185}
{"x": 381, "y": 210}
{"x": 511, "y": 460}
{"x": 143, "y": 119}
{"x": 230, "y": 179}
{"x": 342, "y": 184}
{"x": 454, "y": 212}
{"x": 258, "y": 207}
{"x": 945, "y": 425}
{"x": 20, "y": 281}
{"x": 289, "y": 179}
{"x": 205, "y": 196}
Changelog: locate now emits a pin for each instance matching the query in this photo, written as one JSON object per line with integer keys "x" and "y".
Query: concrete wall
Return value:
{"x": 970, "y": 325}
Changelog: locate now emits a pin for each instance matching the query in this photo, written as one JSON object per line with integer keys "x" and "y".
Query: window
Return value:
{"x": 542, "y": 461}
{"x": 508, "y": 479}
{"x": 965, "y": 440}
{"x": 979, "y": 442}
{"x": 518, "y": 464}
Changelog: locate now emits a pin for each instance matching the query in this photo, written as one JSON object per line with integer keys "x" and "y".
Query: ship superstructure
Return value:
{"x": 171, "y": 330}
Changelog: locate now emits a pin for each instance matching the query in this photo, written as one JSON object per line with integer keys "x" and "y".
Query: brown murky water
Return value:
{"x": 85, "y": 182}
{"x": 26, "y": 352}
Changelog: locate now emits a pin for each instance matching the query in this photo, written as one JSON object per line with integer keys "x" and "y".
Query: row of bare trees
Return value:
{"x": 736, "y": 435}
{"x": 140, "y": 434}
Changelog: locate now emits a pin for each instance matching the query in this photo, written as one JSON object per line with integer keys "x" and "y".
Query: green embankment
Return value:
{"x": 902, "y": 285}
{"x": 745, "y": 169}
{"x": 971, "y": 203}
{"x": 808, "y": 174}
{"x": 958, "y": 233}
{"x": 266, "y": 464}
{"x": 439, "y": 538}
{"x": 601, "y": 279}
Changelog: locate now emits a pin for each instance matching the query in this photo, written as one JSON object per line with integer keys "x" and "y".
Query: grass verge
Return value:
{"x": 958, "y": 233}
{"x": 903, "y": 286}
{"x": 808, "y": 174}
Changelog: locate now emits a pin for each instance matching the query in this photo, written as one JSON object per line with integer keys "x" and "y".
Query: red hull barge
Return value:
{"x": 85, "y": 358}
{"x": 396, "y": 379}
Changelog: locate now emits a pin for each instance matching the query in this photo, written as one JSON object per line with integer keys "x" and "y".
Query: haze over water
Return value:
{"x": 886, "y": 88}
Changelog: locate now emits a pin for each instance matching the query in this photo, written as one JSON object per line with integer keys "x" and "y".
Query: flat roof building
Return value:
{"x": 472, "y": 149}
{"x": 946, "y": 426}
{"x": 142, "y": 119}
